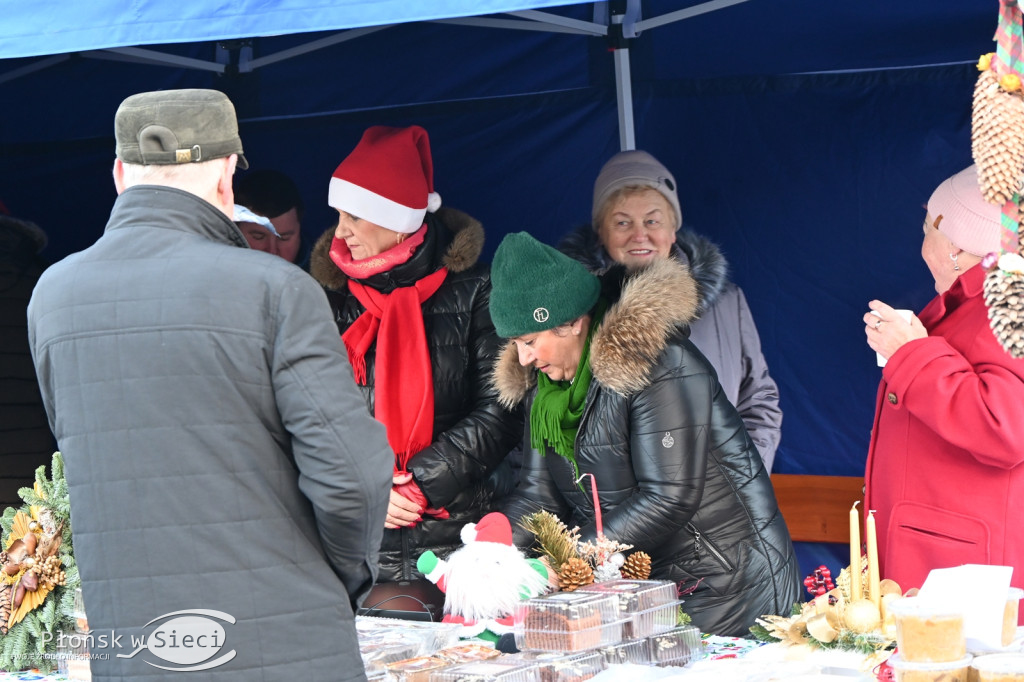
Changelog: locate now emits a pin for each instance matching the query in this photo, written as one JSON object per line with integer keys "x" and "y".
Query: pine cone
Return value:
{"x": 997, "y": 138}
{"x": 1004, "y": 296}
{"x": 637, "y": 566}
{"x": 575, "y": 573}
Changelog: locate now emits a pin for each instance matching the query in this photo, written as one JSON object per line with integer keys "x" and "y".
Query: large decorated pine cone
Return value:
{"x": 997, "y": 138}
{"x": 1004, "y": 296}
{"x": 574, "y": 574}
{"x": 637, "y": 566}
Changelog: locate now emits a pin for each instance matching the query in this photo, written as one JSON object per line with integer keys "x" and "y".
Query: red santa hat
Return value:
{"x": 388, "y": 179}
{"x": 493, "y": 527}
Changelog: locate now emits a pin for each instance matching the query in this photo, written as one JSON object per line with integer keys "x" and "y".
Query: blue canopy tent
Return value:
{"x": 805, "y": 135}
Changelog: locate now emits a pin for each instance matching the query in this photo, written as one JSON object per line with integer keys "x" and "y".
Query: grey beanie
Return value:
{"x": 634, "y": 168}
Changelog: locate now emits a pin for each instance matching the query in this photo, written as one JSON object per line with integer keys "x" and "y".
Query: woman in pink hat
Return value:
{"x": 947, "y": 448}
{"x": 411, "y": 300}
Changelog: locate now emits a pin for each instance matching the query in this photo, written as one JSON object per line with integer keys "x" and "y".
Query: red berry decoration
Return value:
{"x": 819, "y": 582}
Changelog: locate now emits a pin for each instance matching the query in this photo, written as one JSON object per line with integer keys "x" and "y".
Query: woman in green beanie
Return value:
{"x": 614, "y": 388}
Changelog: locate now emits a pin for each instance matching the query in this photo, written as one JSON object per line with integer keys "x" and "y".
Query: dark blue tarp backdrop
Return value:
{"x": 806, "y": 137}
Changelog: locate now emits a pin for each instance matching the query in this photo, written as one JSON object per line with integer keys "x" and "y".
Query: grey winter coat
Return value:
{"x": 677, "y": 475}
{"x": 217, "y": 451}
{"x": 723, "y": 330}
{"x": 472, "y": 432}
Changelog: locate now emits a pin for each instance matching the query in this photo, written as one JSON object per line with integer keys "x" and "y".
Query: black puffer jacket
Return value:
{"x": 678, "y": 476}
{"x": 472, "y": 432}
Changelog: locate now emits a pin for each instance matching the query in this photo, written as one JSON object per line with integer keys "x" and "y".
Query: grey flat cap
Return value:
{"x": 169, "y": 127}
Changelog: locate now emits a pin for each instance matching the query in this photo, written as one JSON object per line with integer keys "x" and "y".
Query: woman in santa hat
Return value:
{"x": 411, "y": 300}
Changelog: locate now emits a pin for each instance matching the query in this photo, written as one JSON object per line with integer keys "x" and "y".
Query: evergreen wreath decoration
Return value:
{"x": 39, "y": 576}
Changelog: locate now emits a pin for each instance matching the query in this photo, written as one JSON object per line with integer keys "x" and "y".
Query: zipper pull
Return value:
{"x": 696, "y": 544}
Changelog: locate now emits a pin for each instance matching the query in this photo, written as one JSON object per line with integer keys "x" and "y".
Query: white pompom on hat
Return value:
{"x": 969, "y": 221}
{"x": 493, "y": 527}
{"x": 388, "y": 179}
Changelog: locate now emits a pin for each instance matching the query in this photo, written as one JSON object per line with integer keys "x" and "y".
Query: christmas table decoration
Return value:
{"x": 39, "y": 577}
{"x": 577, "y": 563}
{"x": 836, "y": 619}
{"x": 485, "y": 578}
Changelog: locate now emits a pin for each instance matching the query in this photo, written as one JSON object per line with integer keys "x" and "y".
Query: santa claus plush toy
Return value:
{"x": 484, "y": 579}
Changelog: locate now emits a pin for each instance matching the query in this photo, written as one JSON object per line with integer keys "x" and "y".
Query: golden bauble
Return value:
{"x": 888, "y": 586}
{"x": 862, "y": 616}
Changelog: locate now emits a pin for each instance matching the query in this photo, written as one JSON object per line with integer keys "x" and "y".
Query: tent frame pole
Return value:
{"x": 624, "y": 100}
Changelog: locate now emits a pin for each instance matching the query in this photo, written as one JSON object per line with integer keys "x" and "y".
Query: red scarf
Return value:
{"x": 404, "y": 392}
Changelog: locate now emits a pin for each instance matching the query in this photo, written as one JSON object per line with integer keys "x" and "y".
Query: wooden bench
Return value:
{"x": 817, "y": 508}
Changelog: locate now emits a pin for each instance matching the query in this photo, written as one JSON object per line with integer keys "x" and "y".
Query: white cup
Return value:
{"x": 906, "y": 315}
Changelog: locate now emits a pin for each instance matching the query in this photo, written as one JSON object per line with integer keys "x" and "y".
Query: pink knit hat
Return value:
{"x": 969, "y": 221}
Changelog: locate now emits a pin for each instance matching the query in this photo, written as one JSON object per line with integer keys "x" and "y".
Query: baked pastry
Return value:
{"x": 493, "y": 670}
{"x": 416, "y": 669}
{"x": 562, "y": 667}
{"x": 568, "y": 621}
{"x": 646, "y": 606}
{"x": 678, "y": 647}
{"x": 464, "y": 653}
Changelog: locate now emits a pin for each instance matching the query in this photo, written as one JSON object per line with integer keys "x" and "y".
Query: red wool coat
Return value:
{"x": 944, "y": 472}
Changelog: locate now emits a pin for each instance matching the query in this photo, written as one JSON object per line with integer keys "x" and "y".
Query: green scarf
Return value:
{"x": 558, "y": 406}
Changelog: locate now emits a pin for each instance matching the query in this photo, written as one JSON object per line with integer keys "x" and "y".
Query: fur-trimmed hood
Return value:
{"x": 707, "y": 264}
{"x": 651, "y": 304}
{"x": 463, "y": 252}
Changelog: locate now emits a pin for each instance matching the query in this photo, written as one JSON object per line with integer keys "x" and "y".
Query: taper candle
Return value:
{"x": 597, "y": 502}
{"x": 856, "y": 590}
{"x": 874, "y": 584}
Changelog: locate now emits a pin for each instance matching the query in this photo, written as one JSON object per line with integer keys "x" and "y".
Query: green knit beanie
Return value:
{"x": 536, "y": 287}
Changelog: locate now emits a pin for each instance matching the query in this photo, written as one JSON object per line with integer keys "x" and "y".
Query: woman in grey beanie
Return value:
{"x": 635, "y": 220}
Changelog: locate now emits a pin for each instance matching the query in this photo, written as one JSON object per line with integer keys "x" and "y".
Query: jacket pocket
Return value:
{"x": 703, "y": 545}
{"x": 922, "y": 537}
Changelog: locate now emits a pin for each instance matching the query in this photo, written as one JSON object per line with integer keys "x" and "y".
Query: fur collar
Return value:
{"x": 707, "y": 264}
{"x": 636, "y": 328}
{"x": 463, "y": 252}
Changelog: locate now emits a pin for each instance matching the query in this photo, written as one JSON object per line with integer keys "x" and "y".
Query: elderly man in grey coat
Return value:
{"x": 228, "y": 488}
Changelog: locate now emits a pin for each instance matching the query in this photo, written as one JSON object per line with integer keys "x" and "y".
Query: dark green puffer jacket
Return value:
{"x": 678, "y": 477}
{"x": 472, "y": 431}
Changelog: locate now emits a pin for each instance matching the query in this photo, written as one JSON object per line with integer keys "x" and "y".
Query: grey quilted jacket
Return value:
{"x": 213, "y": 435}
